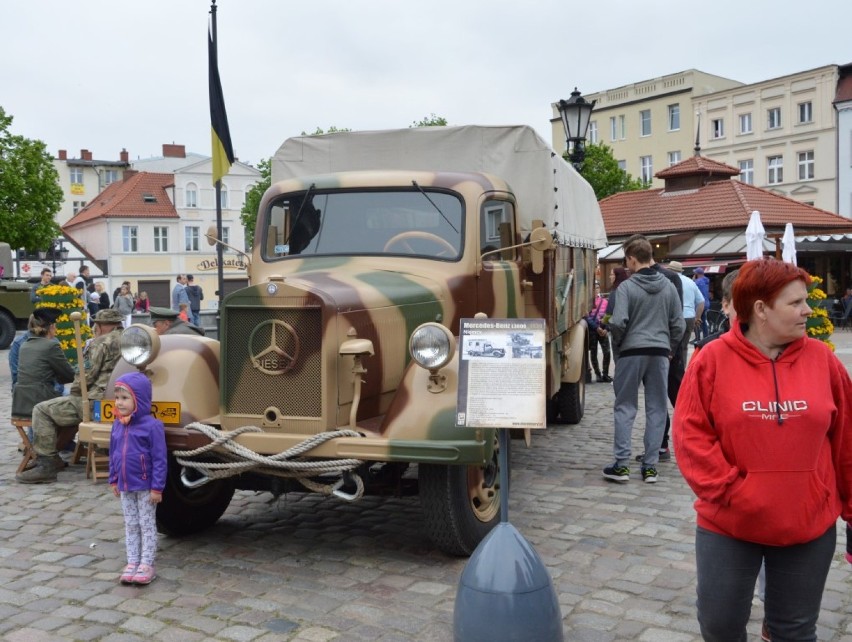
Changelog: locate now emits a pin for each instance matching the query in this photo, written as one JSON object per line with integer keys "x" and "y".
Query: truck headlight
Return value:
{"x": 140, "y": 345}
{"x": 432, "y": 346}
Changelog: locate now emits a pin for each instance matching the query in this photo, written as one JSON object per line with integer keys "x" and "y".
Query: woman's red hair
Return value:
{"x": 763, "y": 280}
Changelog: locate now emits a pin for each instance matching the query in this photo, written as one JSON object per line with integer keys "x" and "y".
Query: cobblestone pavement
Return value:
{"x": 314, "y": 569}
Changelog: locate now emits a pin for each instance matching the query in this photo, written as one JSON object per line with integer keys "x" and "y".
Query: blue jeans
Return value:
{"x": 795, "y": 579}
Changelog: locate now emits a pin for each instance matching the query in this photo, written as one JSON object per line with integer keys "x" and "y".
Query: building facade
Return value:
{"x": 151, "y": 226}
{"x": 781, "y": 133}
{"x": 650, "y": 125}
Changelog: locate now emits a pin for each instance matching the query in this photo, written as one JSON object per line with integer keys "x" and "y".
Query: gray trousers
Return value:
{"x": 631, "y": 372}
{"x": 50, "y": 416}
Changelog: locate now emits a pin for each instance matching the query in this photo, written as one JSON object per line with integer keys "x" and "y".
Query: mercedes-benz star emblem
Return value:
{"x": 277, "y": 352}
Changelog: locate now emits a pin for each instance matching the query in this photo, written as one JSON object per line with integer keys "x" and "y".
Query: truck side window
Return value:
{"x": 496, "y": 230}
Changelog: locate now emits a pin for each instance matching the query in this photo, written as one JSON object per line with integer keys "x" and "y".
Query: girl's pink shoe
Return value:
{"x": 128, "y": 573}
{"x": 144, "y": 575}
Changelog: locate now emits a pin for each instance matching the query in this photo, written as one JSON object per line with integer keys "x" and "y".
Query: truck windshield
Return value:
{"x": 411, "y": 222}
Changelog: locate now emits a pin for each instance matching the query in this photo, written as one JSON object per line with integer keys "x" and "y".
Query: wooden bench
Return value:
{"x": 21, "y": 424}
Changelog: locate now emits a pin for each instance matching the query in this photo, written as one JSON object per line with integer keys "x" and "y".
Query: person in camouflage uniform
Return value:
{"x": 49, "y": 417}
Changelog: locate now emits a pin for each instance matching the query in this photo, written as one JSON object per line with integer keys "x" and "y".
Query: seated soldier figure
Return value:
{"x": 51, "y": 416}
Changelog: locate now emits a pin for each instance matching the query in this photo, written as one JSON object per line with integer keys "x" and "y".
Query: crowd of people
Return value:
{"x": 761, "y": 428}
{"x": 40, "y": 371}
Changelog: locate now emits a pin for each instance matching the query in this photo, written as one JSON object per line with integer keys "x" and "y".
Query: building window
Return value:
{"x": 226, "y": 238}
{"x": 747, "y": 171}
{"x": 190, "y": 235}
{"x": 773, "y": 118}
{"x": 161, "y": 239}
{"x": 646, "y": 169}
{"x": 645, "y": 122}
{"x": 593, "y": 132}
{"x": 613, "y": 134}
{"x": 616, "y": 128}
{"x": 110, "y": 176}
{"x": 674, "y": 118}
{"x": 224, "y": 196}
{"x": 622, "y": 165}
{"x": 674, "y": 158}
{"x": 806, "y": 112}
{"x": 77, "y": 206}
{"x": 745, "y": 123}
{"x": 129, "y": 238}
{"x": 806, "y": 165}
{"x": 76, "y": 174}
{"x": 191, "y": 195}
{"x": 775, "y": 165}
{"x": 717, "y": 125}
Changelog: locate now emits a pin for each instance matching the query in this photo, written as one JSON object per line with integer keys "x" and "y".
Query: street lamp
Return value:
{"x": 575, "y": 113}
{"x": 57, "y": 250}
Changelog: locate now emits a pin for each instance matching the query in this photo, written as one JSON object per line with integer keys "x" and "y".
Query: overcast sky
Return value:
{"x": 110, "y": 74}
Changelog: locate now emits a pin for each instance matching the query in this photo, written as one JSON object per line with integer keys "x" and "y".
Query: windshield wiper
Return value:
{"x": 305, "y": 199}
{"x": 435, "y": 206}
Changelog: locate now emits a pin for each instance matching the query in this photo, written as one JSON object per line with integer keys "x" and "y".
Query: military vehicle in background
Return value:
{"x": 484, "y": 349}
{"x": 337, "y": 368}
{"x": 15, "y": 304}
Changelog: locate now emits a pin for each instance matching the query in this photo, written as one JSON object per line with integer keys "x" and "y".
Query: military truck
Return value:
{"x": 15, "y": 304}
{"x": 337, "y": 367}
{"x": 484, "y": 349}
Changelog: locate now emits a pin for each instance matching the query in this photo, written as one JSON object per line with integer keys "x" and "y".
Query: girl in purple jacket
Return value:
{"x": 137, "y": 473}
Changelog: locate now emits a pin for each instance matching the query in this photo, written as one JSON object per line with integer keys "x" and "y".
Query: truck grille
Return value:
{"x": 297, "y": 392}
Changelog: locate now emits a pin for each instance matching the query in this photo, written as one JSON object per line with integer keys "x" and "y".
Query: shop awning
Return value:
{"x": 713, "y": 267}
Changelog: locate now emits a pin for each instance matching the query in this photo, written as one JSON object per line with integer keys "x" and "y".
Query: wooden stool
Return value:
{"x": 97, "y": 463}
{"x": 22, "y": 423}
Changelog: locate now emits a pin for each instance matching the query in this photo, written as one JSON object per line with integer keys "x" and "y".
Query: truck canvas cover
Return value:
{"x": 546, "y": 187}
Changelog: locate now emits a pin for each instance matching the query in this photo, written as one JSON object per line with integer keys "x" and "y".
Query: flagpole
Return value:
{"x": 220, "y": 268}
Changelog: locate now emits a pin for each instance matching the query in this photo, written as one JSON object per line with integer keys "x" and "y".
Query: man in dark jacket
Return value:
{"x": 166, "y": 321}
{"x": 196, "y": 296}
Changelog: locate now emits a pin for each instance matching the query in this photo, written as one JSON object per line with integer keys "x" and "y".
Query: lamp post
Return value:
{"x": 57, "y": 250}
{"x": 575, "y": 113}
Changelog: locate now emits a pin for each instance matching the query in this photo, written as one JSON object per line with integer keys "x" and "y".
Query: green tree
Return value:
{"x": 30, "y": 195}
{"x": 430, "y": 121}
{"x": 248, "y": 215}
{"x": 604, "y": 175}
{"x": 331, "y": 130}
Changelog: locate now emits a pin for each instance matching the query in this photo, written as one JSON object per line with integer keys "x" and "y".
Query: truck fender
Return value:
{"x": 574, "y": 347}
{"x": 186, "y": 371}
{"x": 420, "y": 415}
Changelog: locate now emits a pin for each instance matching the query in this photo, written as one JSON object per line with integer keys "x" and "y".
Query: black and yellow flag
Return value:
{"x": 223, "y": 152}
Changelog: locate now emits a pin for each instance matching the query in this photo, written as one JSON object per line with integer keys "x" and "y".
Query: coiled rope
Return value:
{"x": 241, "y": 459}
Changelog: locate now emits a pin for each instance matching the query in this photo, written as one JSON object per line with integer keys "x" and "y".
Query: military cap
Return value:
{"x": 108, "y": 316}
{"x": 46, "y": 315}
{"x": 162, "y": 314}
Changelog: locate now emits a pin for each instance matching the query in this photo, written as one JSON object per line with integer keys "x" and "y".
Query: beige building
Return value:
{"x": 83, "y": 178}
{"x": 781, "y": 134}
{"x": 650, "y": 125}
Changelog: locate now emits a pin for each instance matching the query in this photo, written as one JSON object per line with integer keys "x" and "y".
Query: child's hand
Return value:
{"x": 156, "y": 497}
{"x": 115, "y": 490}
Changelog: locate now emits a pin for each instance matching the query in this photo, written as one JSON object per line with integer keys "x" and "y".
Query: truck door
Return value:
{"x": 498, "y": 285}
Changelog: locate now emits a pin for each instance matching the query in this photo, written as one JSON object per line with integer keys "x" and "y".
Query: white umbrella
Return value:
{"x": 754, "y": 237}
{"x": 788, "y": 253}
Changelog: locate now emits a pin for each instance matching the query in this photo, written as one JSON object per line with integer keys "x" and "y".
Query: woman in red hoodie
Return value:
{"x": 763, "y": 436}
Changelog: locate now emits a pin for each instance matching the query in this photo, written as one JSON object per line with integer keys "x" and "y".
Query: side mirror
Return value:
{"x": 211, "y": 236}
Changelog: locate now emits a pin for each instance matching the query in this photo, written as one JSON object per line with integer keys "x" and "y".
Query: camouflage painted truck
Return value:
{"x": 337, "y": 368}
{"x": 15, "y": 304}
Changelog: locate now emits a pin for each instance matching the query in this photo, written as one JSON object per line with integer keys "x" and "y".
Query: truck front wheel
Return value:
{"x": 184, "y": 511}
{"x": 7, "y": 330}
{"x": 461, "y": 504}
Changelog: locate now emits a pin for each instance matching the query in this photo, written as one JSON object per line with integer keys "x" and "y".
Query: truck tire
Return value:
{"x": 185, "y": 511}
{"x": 571, "y": 400}
{"x": 7, "y": 330}
{"x": 461, "y": 504}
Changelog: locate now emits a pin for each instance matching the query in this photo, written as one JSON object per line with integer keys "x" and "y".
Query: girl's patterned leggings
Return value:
{"x": 140, "y": 527}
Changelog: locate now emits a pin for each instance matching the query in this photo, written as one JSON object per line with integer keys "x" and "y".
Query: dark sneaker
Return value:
{"x": 665, "y": 455}
{"x": 617, "y": 473}
{"x": 649, "y": 475}
{"x": 606, "y": 379}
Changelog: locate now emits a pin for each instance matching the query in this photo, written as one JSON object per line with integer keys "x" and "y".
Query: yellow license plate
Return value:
{"x": 166, "y": 411}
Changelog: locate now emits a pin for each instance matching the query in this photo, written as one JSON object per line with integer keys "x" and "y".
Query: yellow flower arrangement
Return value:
{"x": 819, "y": 326}
{"x": 67, "y": 300}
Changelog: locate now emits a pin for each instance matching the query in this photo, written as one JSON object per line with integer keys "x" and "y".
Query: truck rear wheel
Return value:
{"x": 184, "y": 511}
{"x": 461, "y": 504}
{"x": 7, "y": 330}
{"x": 571, "y": 400}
